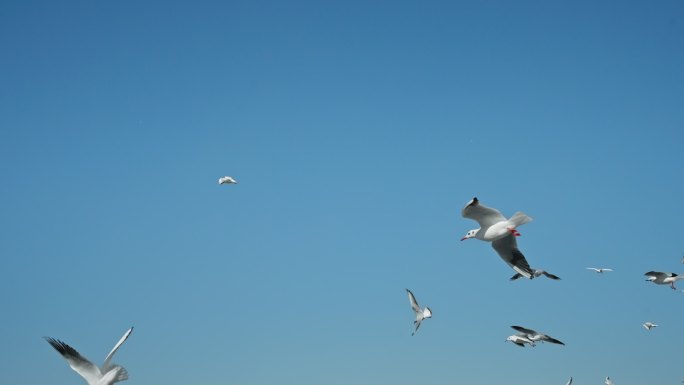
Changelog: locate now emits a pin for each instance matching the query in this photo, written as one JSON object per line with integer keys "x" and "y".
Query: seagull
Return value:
{"x": 661, "y": 278}
{"x": 536, "y": 273}
{"x": 421, "y": 314}
{"x": 599, "y": 269}
{"x": 536, "y": 336}
{"x": 520, "y": 340}
{"x": 227, "y": 180}
{"x": 569, "y": 381}
{"x": 495, "y": 228}
{"x": 649, "y": 325}
{"x": 107, "y": 375}
{"x": 608, "y": 381}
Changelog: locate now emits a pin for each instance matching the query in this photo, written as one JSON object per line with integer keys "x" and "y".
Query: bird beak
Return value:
{"x": 464, "y": 238}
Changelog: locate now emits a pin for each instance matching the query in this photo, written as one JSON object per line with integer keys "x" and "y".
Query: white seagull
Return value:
{"x": 608, "y": 381}
{"x": 227, "y": 180}
{"x": 495, "y": 228}
{"x": 599, "y": 269}
{"x": 536, "y": 273}
{"x": 421, "y": 314}
{"x": 107, "y": 375}
{"x": 569, "y": 381}
{"x": 649, "y": 325}
{"x": 520, "y": 340}
{"x": 535, "y": 336}
{"x": 661, "y": 278}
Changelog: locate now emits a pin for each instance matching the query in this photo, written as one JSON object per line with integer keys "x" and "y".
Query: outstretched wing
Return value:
{"x": 657, "y": 274}
{"x": 89, "y": 371}
{"x": 414, "y": 303}
{"x": 549, "y": 275}
{"x": 105, "y": 366}
{"x": 524, "y": 330}
{"x": 485, "y": 216}
{"x": 552, "y": 340}
{"x": 507, "y": 248}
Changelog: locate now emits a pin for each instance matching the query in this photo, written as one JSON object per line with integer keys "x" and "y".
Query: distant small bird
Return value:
{"x": 535, "y": 336}
{"x": 107, "y": 375}
{"x": 421, "y": 314}
{"x": 649, "y": 325}
{"x": 660, "y": 278}
{"x": 569, "y": 381}
{"x": 536, "y": 273}
{"x": 227, "y": 180}
{"x": 599, "y": 270}
{"x": 520, "y": 340}
{"x": 608, "y": 381}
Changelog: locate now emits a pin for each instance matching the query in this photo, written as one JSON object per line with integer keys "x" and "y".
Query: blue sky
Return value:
{"x": 357, "y": 131}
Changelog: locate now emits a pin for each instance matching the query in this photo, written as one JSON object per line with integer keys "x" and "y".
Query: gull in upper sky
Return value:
{"x": 536, "y": 273}
{"x": 649, "y": 325}
{"x": 495, "y": 228}
{"x": 599, "y": 269}
{"x": 107, "y": 375}
{"x": 608, "y": 381}
{"x": 520, "y": 340}
{"x": 421, "y": 314}
{"x": 661, "y": 278}
{"x": 535, "y": 336}
{"x": 227, "y": 180}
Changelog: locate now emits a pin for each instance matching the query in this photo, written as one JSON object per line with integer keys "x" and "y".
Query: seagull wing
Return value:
{"x": 485, "y": 216}
{"x": 569, "y": 381}
{"x": 105, "y": 366}
{"x": 89, "y": 371}
{"x": 414, "y": 303}
{"x": 515, "y": 276}
{"x": 525, "y": 331}
{"x": 549, "y": 275}
{"x": 657, "y": 274}
{"x": 507, "y": 248}
{"x": 551, "y": 339}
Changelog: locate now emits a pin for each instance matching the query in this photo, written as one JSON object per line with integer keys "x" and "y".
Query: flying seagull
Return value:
{"x": 535, "y": 336}
{"x": 599, "y": 269}
{"x": 608, "y": 381}
{"x": 649, "y": 325}
{"x": 536, "y": 273}
{"x": 520, "y": 340}
{"x": 227, "y": 180}
{"x": 661, "y": 278}
{"x": 107, "y": 375}
{"x": 569, "y": 381}
{"x": 421, "y": 314}
{"x": 495, "y": 228}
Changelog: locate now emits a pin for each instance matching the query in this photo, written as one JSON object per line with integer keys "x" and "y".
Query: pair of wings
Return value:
{"x": 658, "y": 274}
{"x": 81, "y": 365}
{"x": 506, "y": 247}
{"x": 544, "y": 337}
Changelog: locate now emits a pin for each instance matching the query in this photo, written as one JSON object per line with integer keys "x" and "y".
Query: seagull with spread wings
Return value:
{"x": 535, "y": 336}
{"x": 421, "y": 314}
{"x": 108, "y": 374}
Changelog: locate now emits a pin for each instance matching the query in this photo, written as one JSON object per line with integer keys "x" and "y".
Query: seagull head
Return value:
{"x": 470, "y": 234}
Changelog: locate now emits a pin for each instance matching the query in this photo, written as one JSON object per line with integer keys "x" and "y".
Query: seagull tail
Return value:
{"x": 520, "y": 218}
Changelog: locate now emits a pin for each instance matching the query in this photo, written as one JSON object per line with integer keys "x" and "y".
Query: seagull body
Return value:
{"x": 608, "y": 381}
{"x": 599, "y": 270}
{"x": 421, "y": 314}
{"x": 107, "y": 375}
{"x": 535, "y": 336}
{"x": 661, "y": 278}
{"x": 227, "y": 180}
{"x": 649, "y": 325}
{"x": 495, "y": 228}
{"x": 520, "y": 340}
{"x": 536, "y": 273}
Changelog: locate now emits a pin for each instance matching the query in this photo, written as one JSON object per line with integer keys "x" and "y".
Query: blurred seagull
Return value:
{"x": 495, "y": 228}
{"x": 608, "y": 381}
{"x": 536, "y": 273}
{"x": 661, "y": 278}
{"x": 520, "y": 340}
{"x": 649, "y": 325}
{"x": 107, "y": 375}
{"x": 599, "y": 269}
{"x": 227, "y": 180}
{"x": 535, "y": 336}
{"x": 569, "y": 381}
{"x": 421, "y": 314}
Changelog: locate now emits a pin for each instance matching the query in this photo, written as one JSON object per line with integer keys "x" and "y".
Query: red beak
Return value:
{"x": 464, "y": 238}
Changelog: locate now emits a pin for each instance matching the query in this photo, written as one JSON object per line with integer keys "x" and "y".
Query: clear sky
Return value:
{"x": 357, "y": 131}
